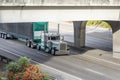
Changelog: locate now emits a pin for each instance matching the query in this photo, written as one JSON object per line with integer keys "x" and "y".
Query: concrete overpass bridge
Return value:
{"x": 58, "y": 10}
{"x": 60, "y": 2}
{"x": 79, "y": 11}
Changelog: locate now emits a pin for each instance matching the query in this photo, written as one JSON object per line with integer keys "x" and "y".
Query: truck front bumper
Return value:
{"x": 63, "y": 52}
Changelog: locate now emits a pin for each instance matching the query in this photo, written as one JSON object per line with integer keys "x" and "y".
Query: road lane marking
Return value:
{"x": 37, "y": 52}
{"x": 66, "y": 76}
{"x": 9, "y": 52}
{"x": 96, "y": 72}
{"x": 71, "y": 77}
{"x": 103, "y": 60}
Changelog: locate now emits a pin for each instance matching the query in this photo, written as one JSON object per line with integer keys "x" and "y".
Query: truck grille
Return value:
{"x": 63, "y": 46}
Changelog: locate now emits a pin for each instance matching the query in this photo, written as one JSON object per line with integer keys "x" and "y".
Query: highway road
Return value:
{"x": 96, "y": 37}
{"x": 73, "y": 64}
{"x": 99, "y": 38}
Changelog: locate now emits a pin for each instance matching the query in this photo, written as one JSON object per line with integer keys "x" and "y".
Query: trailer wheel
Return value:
{"x": 5, "y": 36}
{"x": 0, "y": 35}
{"x": 53, "y": 52}
{"x": 47, "y": 50}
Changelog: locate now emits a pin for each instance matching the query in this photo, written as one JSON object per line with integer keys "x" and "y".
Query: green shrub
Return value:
{"x": 23, "y": 70}
{"x": 47, "y": 77}
{"x": 0, "y": 78}
{"x": 23, "y": 62}
{"x": 13, "y": 66}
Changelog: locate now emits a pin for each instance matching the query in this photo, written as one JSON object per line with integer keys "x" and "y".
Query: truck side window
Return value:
{"x": 53, "y": 38}
{"x": 58, "y": 37}
{"x": 48, "y": 38}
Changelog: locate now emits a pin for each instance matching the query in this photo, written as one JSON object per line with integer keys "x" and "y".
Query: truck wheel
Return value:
{"x": 38, "y": 47}
{"x": 53, "y": 52}
{"x": 28, "y": 44}
{"x": 5, "y": 36}
{"x": 0, "y": 35}
{"x": 31, "y": 45}
{"x": 47, "y": 50}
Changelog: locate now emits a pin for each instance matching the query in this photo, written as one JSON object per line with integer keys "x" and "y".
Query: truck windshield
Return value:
{"x": 54, "y": 37}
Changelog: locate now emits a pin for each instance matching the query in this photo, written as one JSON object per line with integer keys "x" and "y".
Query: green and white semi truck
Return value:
{"x": 36, "y": 36}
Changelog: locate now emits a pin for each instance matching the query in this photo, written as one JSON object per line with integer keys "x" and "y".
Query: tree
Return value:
{"x": 98, "y": 23}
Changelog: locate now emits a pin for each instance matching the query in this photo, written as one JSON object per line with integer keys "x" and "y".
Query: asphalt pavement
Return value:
{"x": 96, "y": 37}
{"x": 74, "y": 64}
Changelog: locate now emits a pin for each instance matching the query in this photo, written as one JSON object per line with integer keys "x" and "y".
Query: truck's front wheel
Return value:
{"x": 53, "y": 52}
{"x": 47, "y": 50}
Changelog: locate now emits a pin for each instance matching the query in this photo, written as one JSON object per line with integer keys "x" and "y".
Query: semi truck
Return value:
{"x": 36, "y": 35}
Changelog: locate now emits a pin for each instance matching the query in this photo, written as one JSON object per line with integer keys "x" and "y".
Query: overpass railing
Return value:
{"x": 59, "y": 2}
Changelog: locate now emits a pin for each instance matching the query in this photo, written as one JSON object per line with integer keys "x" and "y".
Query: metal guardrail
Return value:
{"x": 60, "y": 2}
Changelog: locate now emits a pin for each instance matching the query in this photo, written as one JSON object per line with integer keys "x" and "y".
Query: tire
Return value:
{"x": 31, "y": 45}
{"x": 5, "y": 36}
{"x": 47, "y": 50}
{"x": 38, "y": 47}
{"x": 28, "y": 43}
{"x": 0, "y": 35}
{"x": 53, "y": 52}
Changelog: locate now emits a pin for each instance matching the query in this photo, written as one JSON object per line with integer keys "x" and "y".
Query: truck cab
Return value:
{"x": 53, "y": 43}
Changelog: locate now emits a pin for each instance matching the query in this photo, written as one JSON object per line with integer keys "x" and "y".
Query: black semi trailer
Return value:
{"x": 27, "y": 31}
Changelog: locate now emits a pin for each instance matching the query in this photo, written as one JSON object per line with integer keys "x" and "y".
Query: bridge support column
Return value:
{"x": 116, "y": 39}
{"x": 79, "y": 33}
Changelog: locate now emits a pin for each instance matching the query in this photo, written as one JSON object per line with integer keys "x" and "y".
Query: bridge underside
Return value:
{"x": 58, "y": 13}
